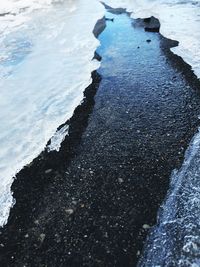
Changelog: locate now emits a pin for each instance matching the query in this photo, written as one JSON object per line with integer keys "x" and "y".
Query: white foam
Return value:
{"x": 45, "y": 65}
{"x": 180, "y": 20}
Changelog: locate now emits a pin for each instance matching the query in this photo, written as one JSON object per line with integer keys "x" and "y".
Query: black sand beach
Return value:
{"x": 91, "y": 203}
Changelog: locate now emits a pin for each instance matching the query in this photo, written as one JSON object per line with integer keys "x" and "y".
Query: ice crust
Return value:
{"x": 46, "y": 62}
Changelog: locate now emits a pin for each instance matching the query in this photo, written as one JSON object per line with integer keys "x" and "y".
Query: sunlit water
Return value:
{"x": 180, "y": 20}
{"x": 175, "y": 240}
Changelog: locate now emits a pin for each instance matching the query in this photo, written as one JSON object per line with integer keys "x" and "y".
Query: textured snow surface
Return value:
{"x": 46, "y": 52}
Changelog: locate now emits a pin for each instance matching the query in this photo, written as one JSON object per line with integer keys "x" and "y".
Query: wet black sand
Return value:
{"x": 87, "y": 204}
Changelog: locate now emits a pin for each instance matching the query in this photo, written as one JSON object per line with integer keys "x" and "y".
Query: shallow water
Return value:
{"x": 180, "y": 20}
{"x": 175, "y": 240}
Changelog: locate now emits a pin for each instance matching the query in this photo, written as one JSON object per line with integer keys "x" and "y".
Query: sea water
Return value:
{"x": 175, "y": 240}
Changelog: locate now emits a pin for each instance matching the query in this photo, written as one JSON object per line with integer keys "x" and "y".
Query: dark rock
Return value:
{"x": 153, "y": 24}
{"x": 147, "y": 20}
{"x": 99, "y": 27}
{"x": 48, "y": 171}
{"x": 97, "y": 56}
{"x": 148, "y": 41}
{"x": 152, "y": 29}
{"x": 108, "y": 19}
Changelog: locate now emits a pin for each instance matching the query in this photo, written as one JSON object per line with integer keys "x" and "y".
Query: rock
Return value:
{"x": 138, "y": 253}
{"x": 97, "y": 57}
{"x": 108, "y": 19}
{"x": 153, "y": 24}
{"x": 146, "y": 226}
{"x": 69, "y": 211}
{"x": 147, "y": 20}
{"x": 152, "y": 29}
{"x": 36, "y": 222}
{"x": 48, "y": 171}
{"x": 99, "y": 27}
{"x": 120, "y": 180}
{"x": 42, "y": 238}
{"x": 148, "y": 40}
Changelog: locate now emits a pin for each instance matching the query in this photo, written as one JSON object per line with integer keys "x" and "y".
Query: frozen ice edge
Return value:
{"x": 6, "y": 196}
{"x": 58, "y": 138}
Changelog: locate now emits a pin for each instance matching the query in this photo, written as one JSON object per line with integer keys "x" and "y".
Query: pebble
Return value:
{"x": 36, "y": 222}
{"x": 120, "y": 180}
{"x": 48, "y": 171}
{"x": 146, "y": 226}
{"x": 42, "y": 237}
{"x": 138, "y": 253}
{"x": 69, "y": 211}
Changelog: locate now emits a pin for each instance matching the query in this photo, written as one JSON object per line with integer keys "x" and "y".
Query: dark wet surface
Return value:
{"x": 90, "y": 207}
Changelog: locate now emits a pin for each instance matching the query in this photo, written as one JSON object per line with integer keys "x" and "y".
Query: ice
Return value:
{"x": 45, "y": 65}
{"x": 58, "y": 138}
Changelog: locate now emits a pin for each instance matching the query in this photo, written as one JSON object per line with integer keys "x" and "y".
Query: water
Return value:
{"x": 45, "y": 65}
{"x": 180, "y": 20}
{"x": 175, "y": 240}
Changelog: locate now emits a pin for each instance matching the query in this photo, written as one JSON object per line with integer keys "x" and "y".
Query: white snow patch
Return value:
{"x": 46, "y": 62}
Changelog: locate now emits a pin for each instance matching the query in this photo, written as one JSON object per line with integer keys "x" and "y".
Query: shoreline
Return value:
{"x": 50, "y": 168}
